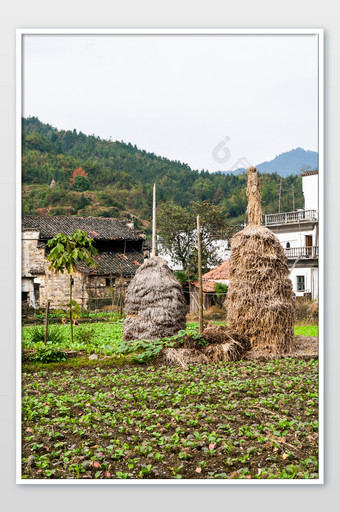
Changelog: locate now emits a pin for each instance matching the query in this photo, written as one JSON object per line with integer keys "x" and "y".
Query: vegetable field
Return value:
{"x": 241, "y": 420}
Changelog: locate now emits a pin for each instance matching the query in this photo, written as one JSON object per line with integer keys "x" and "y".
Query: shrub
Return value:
{"x": 84, "y": 334}
{"x": 48, "y": 355}
{"x": 221, "y": 289}
{"x": 306, "y": 310}
{"x": 81, "y": 183}
{"x": 54, "y": 335}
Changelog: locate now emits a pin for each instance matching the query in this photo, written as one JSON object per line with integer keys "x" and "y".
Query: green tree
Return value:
{"x": 177, "y": 231}
{"x": 213, "y": 219}
{"x": 81, "y": 183}
{"x": 66, "y": 252}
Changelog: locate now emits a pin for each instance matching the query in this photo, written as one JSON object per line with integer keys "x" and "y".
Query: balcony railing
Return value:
{"x": 302, "y": 252}
{"x": 291, "y": 217}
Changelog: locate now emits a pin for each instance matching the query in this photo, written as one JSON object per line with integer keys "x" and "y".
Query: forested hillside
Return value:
{"x": 109, "y": 178}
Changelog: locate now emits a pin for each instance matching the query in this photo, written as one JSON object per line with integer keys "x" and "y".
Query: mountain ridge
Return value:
{"x": 285, "y": 164}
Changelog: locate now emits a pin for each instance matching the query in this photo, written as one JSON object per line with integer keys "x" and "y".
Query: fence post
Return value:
{"x": 46, "y": 321}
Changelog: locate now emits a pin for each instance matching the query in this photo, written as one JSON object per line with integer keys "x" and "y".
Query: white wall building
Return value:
{"x": 299, "y": 235}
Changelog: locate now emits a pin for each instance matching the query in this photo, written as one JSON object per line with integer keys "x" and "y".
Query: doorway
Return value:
{"x": 309, "y": 245}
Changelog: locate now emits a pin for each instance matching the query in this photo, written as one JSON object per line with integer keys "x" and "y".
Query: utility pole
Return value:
{"x": 293, "y": 198}
{"x": 154, "y": 222}
{"x": 200, "y": 289}
{"x": 280, "y": 191}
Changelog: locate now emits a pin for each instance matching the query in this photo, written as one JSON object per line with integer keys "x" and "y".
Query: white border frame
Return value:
{"x": 319, "y": 33}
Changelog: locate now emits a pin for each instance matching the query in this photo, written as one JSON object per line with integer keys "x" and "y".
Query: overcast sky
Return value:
{"x": 207, "y": 101}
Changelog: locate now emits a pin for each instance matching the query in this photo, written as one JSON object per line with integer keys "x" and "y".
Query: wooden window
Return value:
{"x": 300, "y": 283}
{"x": 309, "y": 244}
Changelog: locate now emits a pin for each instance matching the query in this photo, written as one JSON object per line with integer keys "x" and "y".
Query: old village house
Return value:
{"x": 217, "y": 275}
{"x": 120, "y": 253}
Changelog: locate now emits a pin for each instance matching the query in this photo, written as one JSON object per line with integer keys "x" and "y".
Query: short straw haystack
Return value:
{"x": 155, "y": 305}
{"x": 259, "y": 302}
{"x": 225, "y": 344}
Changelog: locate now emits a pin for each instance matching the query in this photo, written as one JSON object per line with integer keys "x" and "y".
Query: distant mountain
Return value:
{"x": 286, "y": 164}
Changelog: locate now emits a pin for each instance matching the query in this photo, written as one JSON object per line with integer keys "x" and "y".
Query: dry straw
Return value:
{"x": 224, "y": 345}
{"x": 184, "y": 356}
{"x": 155, "y": 304}
{"x": 259, "y": 302}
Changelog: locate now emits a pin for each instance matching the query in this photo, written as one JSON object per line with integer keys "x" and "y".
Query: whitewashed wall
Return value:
{"x": 310, "y": 188}
{"x": 297, "y": 238}
{"x": 311, "y": 281}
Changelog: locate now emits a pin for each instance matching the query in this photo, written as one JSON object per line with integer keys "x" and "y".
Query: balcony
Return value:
{"x": 291, "y": 217}
{"x": 302, "y": 252}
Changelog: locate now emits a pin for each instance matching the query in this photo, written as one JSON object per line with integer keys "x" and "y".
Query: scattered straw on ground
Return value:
{"x": 184, "y": 356}
{"x": 224, "y": 352}
{"x": 225, "y": 344}
{"x": 224, "y": 334}
{"x": 303, "y": 347}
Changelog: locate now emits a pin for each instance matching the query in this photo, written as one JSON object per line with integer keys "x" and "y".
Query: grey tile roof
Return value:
{"x": 98, "y": 228}
{"x": 114, "y": 263}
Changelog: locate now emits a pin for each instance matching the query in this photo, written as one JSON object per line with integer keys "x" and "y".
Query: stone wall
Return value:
{"x": 56, "y": 288}
{"x": 39, "y": 284}
{"x": 47, "y": 284}
{"x": 33, "y": 255}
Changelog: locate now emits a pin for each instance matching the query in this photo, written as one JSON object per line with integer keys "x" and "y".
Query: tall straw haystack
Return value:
{"x": 155, "y": 305}
{"x": 259, "y": 302}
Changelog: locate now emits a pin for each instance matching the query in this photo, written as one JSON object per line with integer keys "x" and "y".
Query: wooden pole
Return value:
{"x": 112, "y": 293}
{"x": 293, "y": 198}
{"x": 71, "y": 319}
{"x": 280, "y": 191}
{"x": 200, "y": 288}
{"x": 154, "y": 222}
{"x": 121, "y": 294}
{"x": 46, "y": 321}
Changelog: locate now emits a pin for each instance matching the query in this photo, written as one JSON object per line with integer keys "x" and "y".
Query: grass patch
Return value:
{"x": 306, "y": 330}
{"x": 90, "y": 338}
{"x": 105, "y": 339}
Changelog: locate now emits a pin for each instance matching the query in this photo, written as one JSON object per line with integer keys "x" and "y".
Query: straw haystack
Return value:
{"x": 155, "y": 304}
{"x": 259, "y": 303}
{"x": 184, "y": 356}
{"x": 225, "y": 344}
